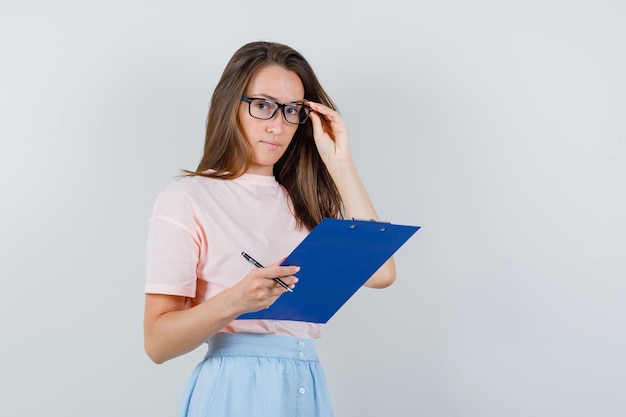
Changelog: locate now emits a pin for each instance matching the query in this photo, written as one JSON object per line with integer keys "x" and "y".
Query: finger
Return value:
{"x": 277, "y": 271}
{"x": 317, "y": 124}
{"x": 319, "y": 107}
{"x": 284, "y": 273}
{"x": 328, "y": 113}
{"x": 330, "y": 122}
{"x": 279, "y": 262}
{"x": 290, "y": 283}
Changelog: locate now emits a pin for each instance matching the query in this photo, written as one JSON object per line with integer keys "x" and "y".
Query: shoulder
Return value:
{"x": 187, "y": 185}
{"x": 182, "y": 195}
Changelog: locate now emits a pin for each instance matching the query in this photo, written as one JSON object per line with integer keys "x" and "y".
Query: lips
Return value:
{"x": 271, "y": 144}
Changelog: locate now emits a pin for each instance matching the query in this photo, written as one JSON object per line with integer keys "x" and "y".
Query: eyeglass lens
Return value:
{"x": 265, "y": 109}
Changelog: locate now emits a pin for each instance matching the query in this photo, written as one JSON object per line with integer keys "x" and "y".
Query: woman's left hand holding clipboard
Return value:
{"x": 332, "y": 140}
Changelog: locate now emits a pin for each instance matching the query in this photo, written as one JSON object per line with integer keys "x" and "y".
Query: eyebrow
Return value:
{"x": 274, "y": 99}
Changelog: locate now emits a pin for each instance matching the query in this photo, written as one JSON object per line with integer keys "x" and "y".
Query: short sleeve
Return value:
{"x": 173, "y": 246}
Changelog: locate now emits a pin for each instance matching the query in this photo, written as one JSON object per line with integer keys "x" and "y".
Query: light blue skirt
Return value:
{"x": 257, "y": 375}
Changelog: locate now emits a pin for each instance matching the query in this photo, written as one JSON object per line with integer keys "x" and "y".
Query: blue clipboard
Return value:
{"x": 336, "y": 259}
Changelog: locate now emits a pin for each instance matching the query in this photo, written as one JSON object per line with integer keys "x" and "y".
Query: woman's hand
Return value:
{"x": 258, "y": 290}
{"x": 171, "y": 329}
{"x": 331, "y": 138}
{"x": 330, "y": 133}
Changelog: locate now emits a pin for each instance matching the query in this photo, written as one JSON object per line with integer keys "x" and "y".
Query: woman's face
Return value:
{"x": 270, "y": 138}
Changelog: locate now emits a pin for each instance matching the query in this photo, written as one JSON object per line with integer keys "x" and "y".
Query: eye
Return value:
{"x": 292, "y": 110}
{"x": 261, "y": 104}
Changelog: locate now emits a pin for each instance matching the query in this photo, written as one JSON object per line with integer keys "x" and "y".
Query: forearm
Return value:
{"x": 356, "y": 201}
{"x": 357, "y": 204}
{"x": 171, "y": 330}
{"x": 174, "y": 333}
{"x": 331, "y": 138}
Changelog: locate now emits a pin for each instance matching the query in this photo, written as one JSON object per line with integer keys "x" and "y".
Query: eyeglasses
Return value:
{"x": 265, "y": 109}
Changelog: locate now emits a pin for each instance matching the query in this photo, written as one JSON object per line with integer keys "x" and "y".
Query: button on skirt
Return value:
{"x": 250, "y": 375}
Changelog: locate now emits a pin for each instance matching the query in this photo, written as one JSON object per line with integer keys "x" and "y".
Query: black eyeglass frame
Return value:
{"x": 280, "y": 106}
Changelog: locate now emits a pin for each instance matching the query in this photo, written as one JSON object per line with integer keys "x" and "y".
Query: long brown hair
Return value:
{"x": 227, "y": 154}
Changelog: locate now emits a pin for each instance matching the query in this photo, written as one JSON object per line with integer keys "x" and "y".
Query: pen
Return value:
{"x": 258, "y": 265}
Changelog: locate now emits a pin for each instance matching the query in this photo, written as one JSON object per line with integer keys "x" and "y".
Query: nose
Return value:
{"x": 275, "y": 124}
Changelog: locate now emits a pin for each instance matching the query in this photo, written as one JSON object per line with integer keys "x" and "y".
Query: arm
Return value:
{"x": 170, "y": 330}
{"x": 331, "y": 137}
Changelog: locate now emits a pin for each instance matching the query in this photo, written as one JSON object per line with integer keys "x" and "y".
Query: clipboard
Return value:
{"x": 336, "y": 259}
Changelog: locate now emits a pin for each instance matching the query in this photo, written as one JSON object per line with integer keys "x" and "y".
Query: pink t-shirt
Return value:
{"x": 200, "y": 226}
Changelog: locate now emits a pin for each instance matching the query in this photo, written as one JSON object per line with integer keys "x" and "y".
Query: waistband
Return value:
{"x": 263, "y": 345}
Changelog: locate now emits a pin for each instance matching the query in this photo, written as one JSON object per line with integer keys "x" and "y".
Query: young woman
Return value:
{"x": 276, "y": 161}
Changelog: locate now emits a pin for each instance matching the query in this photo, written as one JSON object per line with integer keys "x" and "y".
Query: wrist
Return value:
{"x": 231, "y": 304}
{"x": 339, "y": 167}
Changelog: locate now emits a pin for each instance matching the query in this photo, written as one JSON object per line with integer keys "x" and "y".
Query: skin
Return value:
{"x": 269, "y": 139}
{"x": 170, "y": 330}
{"x": 332, "y": 141}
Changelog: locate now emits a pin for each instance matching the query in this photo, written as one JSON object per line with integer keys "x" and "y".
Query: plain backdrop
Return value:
{"x": 498, "y": 126}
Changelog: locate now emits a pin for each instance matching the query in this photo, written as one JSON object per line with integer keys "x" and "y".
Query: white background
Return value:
{"x": 498, "y": 126}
